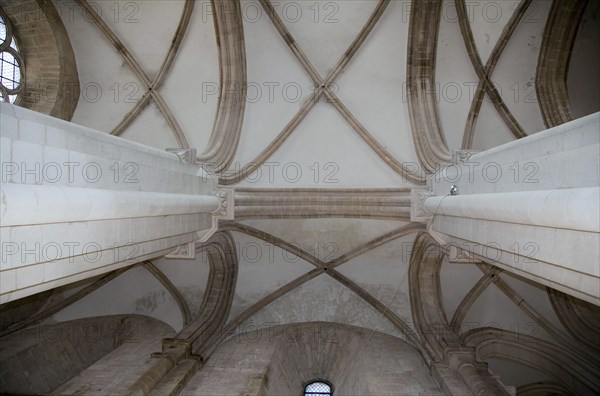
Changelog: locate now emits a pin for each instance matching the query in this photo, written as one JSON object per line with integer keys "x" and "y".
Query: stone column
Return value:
{"x": 530, "y": 207}
{"x": 76, "y": 203}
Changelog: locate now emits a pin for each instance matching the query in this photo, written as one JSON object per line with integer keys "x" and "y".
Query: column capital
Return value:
{"x": 418, "y": 213}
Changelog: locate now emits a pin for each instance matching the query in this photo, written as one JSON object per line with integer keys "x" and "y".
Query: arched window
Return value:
{"x": 318, "y": 388}
{"x": 11, "y": 62}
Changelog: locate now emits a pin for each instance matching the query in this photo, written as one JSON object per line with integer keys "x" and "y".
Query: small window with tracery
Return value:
{"x": 11, "y": 62}
{"x": 318, "y": 388}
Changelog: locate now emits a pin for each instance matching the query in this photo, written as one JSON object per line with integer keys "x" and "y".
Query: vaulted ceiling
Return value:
{"x": 328, "y": 104}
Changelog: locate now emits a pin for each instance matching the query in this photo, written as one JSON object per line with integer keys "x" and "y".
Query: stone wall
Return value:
{"x": 19, "y": 310}
{"x": 51, "y": 78}
{"x": 283, "y": 359}
{"x": 41, "y": 358}
{"x": 114, "y": 373}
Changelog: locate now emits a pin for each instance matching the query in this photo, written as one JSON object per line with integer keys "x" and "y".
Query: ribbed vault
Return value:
{"x": 433, "y": 333}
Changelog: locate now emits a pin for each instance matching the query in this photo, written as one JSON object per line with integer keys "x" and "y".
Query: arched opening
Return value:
{"x": 318, "y": 388}
{"x": 11, "y": 62}
{"x": 48, "y": 81}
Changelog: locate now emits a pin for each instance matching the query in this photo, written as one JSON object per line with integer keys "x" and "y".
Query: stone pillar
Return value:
{"x": 530, "y": 207}
{"x": 76, "y": 203}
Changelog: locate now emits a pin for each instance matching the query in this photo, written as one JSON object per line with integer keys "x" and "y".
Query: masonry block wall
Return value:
{"x": 283, "y": 359}
{"x": 41, "y": 358}
{"x": 116, "y": 371}
{"x": 51, "y": 77}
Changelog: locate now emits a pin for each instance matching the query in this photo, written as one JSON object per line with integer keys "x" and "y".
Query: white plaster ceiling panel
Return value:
{"x": 151, "y": 128}
{"x": 583, "y": 81}
{"x": 324, "y": 29}
{"x": 324, "y": 152}
{"x": 515, "y": 374}
{"x": 456, "y": 280}
{"x": 262, "y": 269}
{"x": 494, "y": 309}
{"x": 383, "y": 272}
{"x": 514, "y": 75}
{"x": 491, "y": 131}
{"x": 326, "y": 238}
{"x": 189, "y": 276}
{"x": 191, "y": 88}
{"x": 109, "y": 89}
{"x": 487, "y": 19}
{"x": 136, "y": 291}
{"x": 373, "y": 86}
{"x": 455, "y": 77}
{"x": 321, "y": 299}
{"x": 277, "y": 85}
{"x": 146, "y": 28}
{"x": 536, "y": 295}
